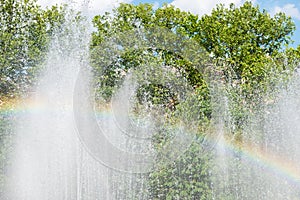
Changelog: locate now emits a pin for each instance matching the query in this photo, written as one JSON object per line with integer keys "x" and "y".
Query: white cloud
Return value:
{"x": 156, "y": 5}
{"x": 289, "y": 9}
{"x": 95, "y": 6}
{"x": 203, "y": 7}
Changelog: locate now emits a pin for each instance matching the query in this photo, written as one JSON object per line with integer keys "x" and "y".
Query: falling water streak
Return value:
{"x": 49, "y": 161}
{"x": 45, "y": 157}
{"x": 263, "y": 164}
{"x": 220, "y": 119}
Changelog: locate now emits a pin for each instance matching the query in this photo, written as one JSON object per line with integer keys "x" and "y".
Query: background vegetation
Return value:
{"x": 241, "y": 51}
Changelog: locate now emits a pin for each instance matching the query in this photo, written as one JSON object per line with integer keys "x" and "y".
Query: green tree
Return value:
{"x": 246, "y": 45}
{"x": 137, "y": 37}
{"x": 143, "y": 17}
{"x": 25, "y": 31}
{"x": 244, "y": 37}
{"x": 244, "y": 42}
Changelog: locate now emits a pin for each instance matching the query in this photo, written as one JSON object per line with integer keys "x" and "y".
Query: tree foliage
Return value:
{"x": 25, "y": 30}
{"x": 245, "y": 37}
{"x": 246, "y": 45}
{"x": 163, "y": 40}
{"x": 240, "y": 47}
{"x": 153, "y": 24}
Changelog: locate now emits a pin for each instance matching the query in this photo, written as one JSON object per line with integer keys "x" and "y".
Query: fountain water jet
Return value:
{"x": 264, "y": 163}
{"x": 49, "y": 161}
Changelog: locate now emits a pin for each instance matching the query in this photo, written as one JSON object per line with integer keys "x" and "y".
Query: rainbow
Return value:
{"x": 16, "y": 106}
{"x": 275, "y": 164}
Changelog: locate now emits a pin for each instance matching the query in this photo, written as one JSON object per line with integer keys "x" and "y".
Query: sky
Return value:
{"x": 200, "y": 7}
